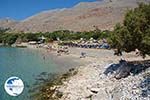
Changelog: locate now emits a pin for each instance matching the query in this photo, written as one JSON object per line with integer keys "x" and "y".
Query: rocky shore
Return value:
{"x": 90, "y": 83}
{"x": 95, "y": 78}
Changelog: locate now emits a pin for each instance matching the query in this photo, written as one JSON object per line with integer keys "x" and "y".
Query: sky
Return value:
{"x": 21, "y": 9}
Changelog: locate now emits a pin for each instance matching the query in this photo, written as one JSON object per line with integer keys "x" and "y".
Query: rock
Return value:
{"x": 134, "y": 86}
{"x": 101, "y": 95}
{"x": 53, "y": 88}
{"x": 95, "y": 90}
{"x": 92, "y": 84}
{"x": 123, "y": 71}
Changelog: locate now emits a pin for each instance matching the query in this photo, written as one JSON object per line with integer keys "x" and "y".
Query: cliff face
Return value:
{"x": 82, "y": 17}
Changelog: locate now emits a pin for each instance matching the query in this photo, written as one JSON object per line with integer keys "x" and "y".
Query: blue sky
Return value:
{"x": 21, "y": 9}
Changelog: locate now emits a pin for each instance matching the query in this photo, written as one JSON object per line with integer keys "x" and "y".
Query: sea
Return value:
{"x": 28, "y": 65}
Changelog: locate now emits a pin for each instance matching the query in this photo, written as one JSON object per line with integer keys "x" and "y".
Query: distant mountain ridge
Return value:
{"x": 7, "y": 23}
{"x": 84, "y": 16}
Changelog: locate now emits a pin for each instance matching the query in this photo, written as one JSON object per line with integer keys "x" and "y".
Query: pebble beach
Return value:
{"x": 90, "y": 83}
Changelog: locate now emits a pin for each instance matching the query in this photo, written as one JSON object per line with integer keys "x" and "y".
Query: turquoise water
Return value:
{"x": 26, "y": 64}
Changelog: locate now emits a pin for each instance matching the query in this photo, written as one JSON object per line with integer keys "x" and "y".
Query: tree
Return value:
{"x": 135, "y": 31}
{"x": 9, "y": 38}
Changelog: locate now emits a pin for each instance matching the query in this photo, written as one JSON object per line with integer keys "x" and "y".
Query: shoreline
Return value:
{"x": 71, "y": 60}
{"x": 84, "y": 78}
{"x": 90, "y": 83}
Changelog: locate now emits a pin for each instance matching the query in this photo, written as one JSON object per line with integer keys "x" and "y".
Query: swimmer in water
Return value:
{"x": 44, "y": 57}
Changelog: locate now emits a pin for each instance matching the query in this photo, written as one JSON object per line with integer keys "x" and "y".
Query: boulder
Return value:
{"x": 123, "y": 71}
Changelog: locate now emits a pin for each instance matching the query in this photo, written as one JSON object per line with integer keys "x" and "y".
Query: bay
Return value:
{"x": 26, "y": 64}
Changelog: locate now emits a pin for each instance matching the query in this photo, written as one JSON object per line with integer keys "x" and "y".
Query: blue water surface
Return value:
{"x": 25, "y": 64}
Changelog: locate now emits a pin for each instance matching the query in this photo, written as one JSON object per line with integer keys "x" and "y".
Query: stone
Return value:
{"x": 101, "y": 95}
{"x": 123, "y": 71}
{"x": 95, "y": 90}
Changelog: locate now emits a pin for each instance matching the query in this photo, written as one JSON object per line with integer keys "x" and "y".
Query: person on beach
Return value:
{"x": 117, "y": 52}
{"x": 83, "y": 55}
{"x": 44, "y": 57}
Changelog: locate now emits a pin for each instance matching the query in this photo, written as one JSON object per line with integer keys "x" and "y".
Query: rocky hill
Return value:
{"x": 7, "y": 23}
{"x": 82, "y": 17}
